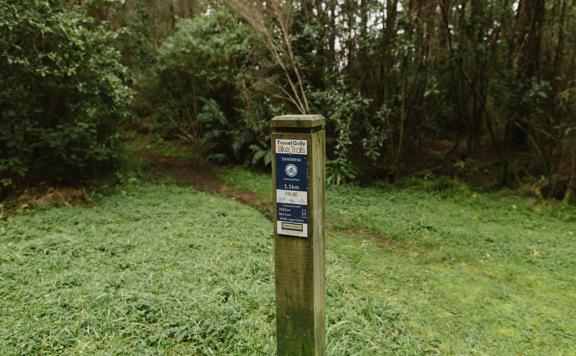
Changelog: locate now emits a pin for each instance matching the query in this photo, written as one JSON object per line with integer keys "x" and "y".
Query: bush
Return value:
{"x": 62, "y": 95}
{"x": 203, "y": 90}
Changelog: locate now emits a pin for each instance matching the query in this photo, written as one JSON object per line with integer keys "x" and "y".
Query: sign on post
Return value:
{"x": 292, "y": 187}
{"x": 298, "y": 170}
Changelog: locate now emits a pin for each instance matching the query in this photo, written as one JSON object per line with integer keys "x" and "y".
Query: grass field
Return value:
{"x": 421, "y": 268}
{"x": 466, "y": 272}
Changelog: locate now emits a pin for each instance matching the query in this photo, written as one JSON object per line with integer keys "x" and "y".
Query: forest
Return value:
{"x": 483, "y": 91}
{"x": 430, "y": 211}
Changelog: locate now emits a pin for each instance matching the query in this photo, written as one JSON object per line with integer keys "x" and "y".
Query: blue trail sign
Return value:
{"x": 292, "y": 187}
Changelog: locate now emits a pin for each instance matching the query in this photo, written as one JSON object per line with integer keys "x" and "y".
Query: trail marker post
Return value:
{"x": 298, "y": 172}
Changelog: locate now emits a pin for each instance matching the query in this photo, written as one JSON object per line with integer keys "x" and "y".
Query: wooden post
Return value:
{"x": 298, "y": 173}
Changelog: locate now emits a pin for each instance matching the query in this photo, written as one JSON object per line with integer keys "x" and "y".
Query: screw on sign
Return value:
{"x": 298, "y": 170}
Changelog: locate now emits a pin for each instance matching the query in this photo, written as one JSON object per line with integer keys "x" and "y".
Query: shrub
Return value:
{"x": 197, "y": 81}
{"x": 62, "y": 95}
{"x": 341, "y": 110}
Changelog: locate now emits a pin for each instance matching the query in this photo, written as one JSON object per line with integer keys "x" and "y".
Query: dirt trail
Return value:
{"x": 202, "y": 177}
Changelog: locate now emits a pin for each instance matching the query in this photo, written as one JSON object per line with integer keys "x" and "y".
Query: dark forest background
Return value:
{"x": 484, "y": 91}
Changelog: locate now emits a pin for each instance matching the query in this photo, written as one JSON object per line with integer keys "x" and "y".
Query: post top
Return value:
{"x": 298, "y": 121}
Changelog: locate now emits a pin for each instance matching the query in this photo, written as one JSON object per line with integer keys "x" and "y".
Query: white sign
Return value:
{"x": 295, "y": 147}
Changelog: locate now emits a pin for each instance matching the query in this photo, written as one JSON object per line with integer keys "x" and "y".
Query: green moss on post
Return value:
{"x": 299, "y": 260}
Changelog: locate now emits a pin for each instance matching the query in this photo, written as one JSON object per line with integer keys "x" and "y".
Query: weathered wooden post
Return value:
{"x": 298, "y": 171}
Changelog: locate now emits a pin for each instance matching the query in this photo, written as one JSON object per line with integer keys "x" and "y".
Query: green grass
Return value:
{"x": 158, "y": 268}
{"x": 154, "y": 268}
{"x": 467, "y": 272}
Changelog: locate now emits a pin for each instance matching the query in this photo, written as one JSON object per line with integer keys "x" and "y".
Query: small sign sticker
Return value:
{"x": 292, "y": 187}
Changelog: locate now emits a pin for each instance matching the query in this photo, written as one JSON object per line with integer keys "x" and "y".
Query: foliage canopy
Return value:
{"x": 460, "y": 81}
{"x": 458, "y": 87}
{"x": 62, "y": 95}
